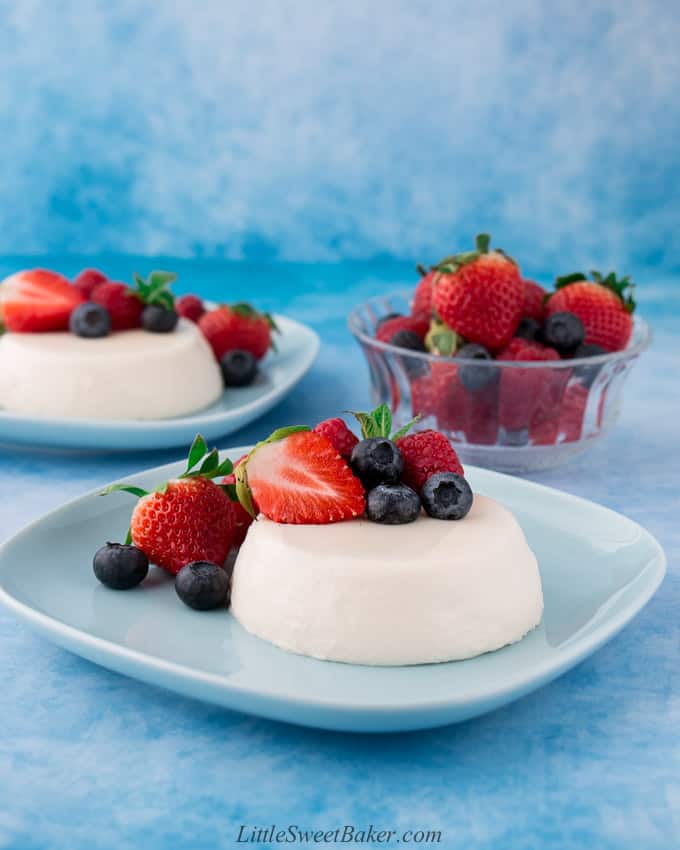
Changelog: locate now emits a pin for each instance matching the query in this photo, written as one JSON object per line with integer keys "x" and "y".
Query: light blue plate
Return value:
{"x": 598, "y": 570}
{"x": 280, "y": 371}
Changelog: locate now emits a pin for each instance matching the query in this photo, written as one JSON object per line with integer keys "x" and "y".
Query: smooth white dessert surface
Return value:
{"x": 365, "y": 593}
{"x": 126, "y": 375}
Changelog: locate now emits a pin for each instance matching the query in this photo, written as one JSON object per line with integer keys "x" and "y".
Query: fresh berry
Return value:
{"x": 475, "y": 378}
{"x": 589, "y": 349}
{"x": 90, "y": 320}
{"x": 604, "y": 305}
{"x": 572, "y": 412}
{"x": 450, "y": 397}
{"x": 407, "y": 339}
{"x": 377, "y": 460}
{"x": 297, "y": 476}
{"x": 339, "y": 434}
{"x": 392, "y": 504}
{"x": 534, "y": 300}
{"x": 203, "y": 585}
{"x": 86, "y": 281}
{"x": 480, "y": 295}
{"x": 587, "y": 374}
{"x": 122, "y": 304}
{"x": 159, "y": 319}
{"x": 386, "y": 318}
{"x": 447, "y": 495}
{"x": 528, "y": 395}
{"x": 36, "y": 301}
{"x": 190, "y": 307}
{"x": 239, "y": 368}
{"x": 425, "y": 453}
{"x": 238, "y": 327}
{"x": 422, "y": 297}
{"x": 120, "y": 566}
{"x": 480, "y": 410}
{"x": 388, "y": 329}
{"x": 564, "y": 332}
{"x": 242, "y": 522}
{"x": 528, "y": 328}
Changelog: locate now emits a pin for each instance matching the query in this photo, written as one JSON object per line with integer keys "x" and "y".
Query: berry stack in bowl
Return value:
{"x": 517, "y": 376}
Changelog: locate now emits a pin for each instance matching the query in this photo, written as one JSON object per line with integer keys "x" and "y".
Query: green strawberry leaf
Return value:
{"x": 128, "y": 537}
{"x": 566, "y": 279}
{"x": 125, "y": 488}
{"x": 197, "y": 451}
{"x": 403, "y": 431}
{"x": 282, "y": 433}
{"x": 230, "y": 490}
{"x": 210, "y": 464}
{"x": 225, "y": 468}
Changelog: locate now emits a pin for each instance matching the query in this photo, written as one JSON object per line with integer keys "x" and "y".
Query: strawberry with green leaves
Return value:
{"x": 189, "y": 518}
{"x": 238, "y": 327}
{"x": 604, "y": 305}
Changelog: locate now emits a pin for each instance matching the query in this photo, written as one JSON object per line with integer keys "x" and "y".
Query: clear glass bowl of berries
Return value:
{"x": 520, "y": 389}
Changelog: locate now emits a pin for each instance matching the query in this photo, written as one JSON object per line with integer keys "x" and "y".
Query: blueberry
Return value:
{"x": 475, "y": 378}
{"x": 387, "y": 318}
{"x": 587, "y": 374}
{"x": 446, "y": 495}
{"x": 120, "y": 566}
{"x": 563, "y": 332}
{"x": 392, "y": 504}
{"x": 202, "y": 585}
{"x": 238, "y": 368}
{"x": 407, "y": 339}
{"x": 589, "y": 349}
{"x": 159, "y": 319}
{"x": 528, "y": 328}
{"x": 90, "y": 320}
{"x": 377, "y": 460}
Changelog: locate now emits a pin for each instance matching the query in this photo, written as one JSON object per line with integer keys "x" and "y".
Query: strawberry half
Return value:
{"x": 37, "y": 301}
{"x": 297, "y": 476}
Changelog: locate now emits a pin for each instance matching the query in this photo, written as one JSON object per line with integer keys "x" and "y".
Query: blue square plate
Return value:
{"x": 280, "y": 371}
{"x": 598, "y": 570}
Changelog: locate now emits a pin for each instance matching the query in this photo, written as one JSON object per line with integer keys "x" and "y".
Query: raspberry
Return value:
{"x": 190, "y": 307}
{"x": 425, "y": 453}
{"x": 86, "y": 281}
{"x": 339, "y": 435}
{"x": 534, "y": 300}
{"x": 388, "y": 329}
{"x": 124, "y": 307}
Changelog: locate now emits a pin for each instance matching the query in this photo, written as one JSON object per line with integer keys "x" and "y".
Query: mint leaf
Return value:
{"x": 368, "y": 426}
{"x": 159, "y": 280}
{"x": 196, "y": 452}
{"x": 382, "y": 417}
{"x": 405, "y": 429}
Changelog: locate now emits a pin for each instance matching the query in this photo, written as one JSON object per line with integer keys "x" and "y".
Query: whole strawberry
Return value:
{"x": 190, "y": 518}
{"x": 604, "y": 305}
{"x": 480, "y": 295}
{"x": 339, "y": 434}
{"x": 422, "y": 297}
{"x": 425, "y": 453}
{"x": 238, "y": 327}
{"x": 534, "y": 300}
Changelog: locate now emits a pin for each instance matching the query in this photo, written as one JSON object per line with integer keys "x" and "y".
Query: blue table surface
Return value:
{"x": 91, "y": 759}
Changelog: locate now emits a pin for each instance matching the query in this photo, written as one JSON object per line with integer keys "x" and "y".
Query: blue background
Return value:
{"x": 306, "y": 155}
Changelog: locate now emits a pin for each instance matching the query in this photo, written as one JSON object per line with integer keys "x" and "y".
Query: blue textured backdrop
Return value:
{"x": 308, "y": 131}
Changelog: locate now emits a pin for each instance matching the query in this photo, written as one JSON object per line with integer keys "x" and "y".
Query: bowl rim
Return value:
{"x": 644, "y": 333}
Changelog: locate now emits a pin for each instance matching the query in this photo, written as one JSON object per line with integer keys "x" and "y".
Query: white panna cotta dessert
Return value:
{"x": 127, "y": 375}
{"x": 358, "y": 592}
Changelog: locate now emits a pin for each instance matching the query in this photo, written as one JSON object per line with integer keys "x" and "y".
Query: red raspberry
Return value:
{"x": 86, "y": 281}
{"x": 530, "y": 396}
{"x": 339, "y": 434}
{"x": 534, "y": 300}
{"x": 573, "y": 410}
{"x": 422, "y": 297}
{"x": 388, "y": 329}
{"x": 190, "y": 307}
{"x": 425, "y": 453}
{"x": 124, "y": 307}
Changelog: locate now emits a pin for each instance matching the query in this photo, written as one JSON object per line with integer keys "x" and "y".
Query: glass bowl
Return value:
{"x": 510, "y": 416}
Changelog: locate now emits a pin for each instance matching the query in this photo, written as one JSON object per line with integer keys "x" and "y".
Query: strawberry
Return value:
{"x": 297, "y": 476}
{"x": 425, "y": 453}
{"x": 388, "y": 329}
{"x": 572, "y": 412}
{"x": 37, "y": 300}
{"x": 190, "y": 307}
{"x": 123, "y": 305}
{"x": 190, "y": 518}
{"x": 339, "y": 434}
{"x": 86, "y": 281}
{"x": 529, "y": 395}
{"x": 422, "y": 297}
{"x": 480, "y": 295}
{"x": 238, "y": 327}
{"x": 534, "y": 300}
{"x": 604, "y": 305}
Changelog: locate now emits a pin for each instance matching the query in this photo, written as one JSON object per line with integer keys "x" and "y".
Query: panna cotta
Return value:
{"x": 131, "y": 374}
{"x": 358, "y": 592}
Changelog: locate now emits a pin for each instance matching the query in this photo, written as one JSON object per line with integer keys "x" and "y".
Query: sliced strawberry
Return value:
{"x": 298, "y": 477}
{"x": 36, "y": 301}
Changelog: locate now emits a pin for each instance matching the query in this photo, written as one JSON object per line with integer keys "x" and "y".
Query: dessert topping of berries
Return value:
{"x": 87, "y": 279}
{"x": 190, "y": 307}
{"x": 159, "y": 319}
{"x": 90, "y": 321}
{"x": 190, "y": 518}
{"x": 239, "y": 368}
{"x": 392, "y": 504}
{"x": 604, "y": 305}
{"x": 480, "y": 295}
{"x": 120, "y": 566}
{"x": 376, "y": 459}
{"x": 238, "y": 327}
{"x": 447, "y": 495}
{"x": 425, "y": 453}
{"x": 297, "y": 476}
{"x": 339, "y": 434}
{"x": 203, "y": 585}
{"x": 120, "y": 302}
{"x": 37, "y": 301}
